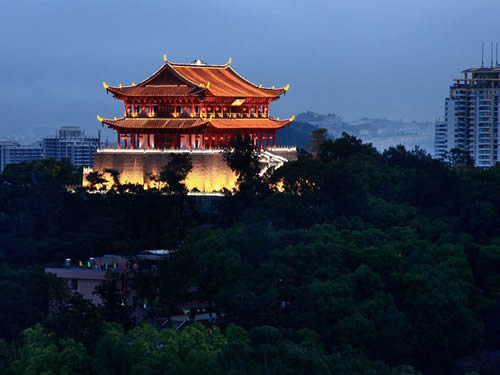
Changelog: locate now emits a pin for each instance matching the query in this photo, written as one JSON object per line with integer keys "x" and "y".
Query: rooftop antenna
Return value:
{"x": 491, "y": 54}
{"x": 496, "y": 60}
{"x": 482, "y": 55}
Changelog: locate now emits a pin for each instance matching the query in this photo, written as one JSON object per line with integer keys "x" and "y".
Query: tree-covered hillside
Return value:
{"x": 347, "y": 261}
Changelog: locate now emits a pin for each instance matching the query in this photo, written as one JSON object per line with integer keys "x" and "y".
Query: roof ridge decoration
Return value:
{"x": 218, "y": 80}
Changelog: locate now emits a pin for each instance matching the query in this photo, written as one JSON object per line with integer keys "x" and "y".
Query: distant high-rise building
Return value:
{"x": 440, "y": 139}
{"x": 71, "y": 143}
{"x": 471, "y": 116}
{"x": 13, "y": 152}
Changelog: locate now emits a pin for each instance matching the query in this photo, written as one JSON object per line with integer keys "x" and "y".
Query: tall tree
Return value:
{"x": 115, "y": 175}
{"x": 318, "y": 137}
{"x": 459, "y": 158}
{"x": 96, "y": 179}
{"x": 173, "y": 175}
{"x": 243, "y": 158}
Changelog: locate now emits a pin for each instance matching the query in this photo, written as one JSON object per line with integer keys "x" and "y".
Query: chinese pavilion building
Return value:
{"x": 195, "y": 108}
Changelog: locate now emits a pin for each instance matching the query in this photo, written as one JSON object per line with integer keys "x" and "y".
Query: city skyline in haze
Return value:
{"x": 394, "y": 59}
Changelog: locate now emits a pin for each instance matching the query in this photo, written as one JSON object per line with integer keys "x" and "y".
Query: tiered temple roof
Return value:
{"x": 165, "y": 124}
{"x": 191, "y": 79}
{"x": 212, "y": 102}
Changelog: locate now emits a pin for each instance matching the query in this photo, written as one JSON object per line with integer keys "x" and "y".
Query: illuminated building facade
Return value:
{"x": 196, "y": 108}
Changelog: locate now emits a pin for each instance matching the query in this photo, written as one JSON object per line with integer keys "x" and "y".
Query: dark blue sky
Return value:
{"x": 356, "y": 58}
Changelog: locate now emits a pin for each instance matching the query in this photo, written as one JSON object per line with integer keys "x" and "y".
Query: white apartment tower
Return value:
{"x": 471, "y": 116}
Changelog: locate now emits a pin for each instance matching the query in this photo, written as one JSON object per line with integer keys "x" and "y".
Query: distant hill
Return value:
{"x": 382, "y": 133}
{"x": 298, "y": 134}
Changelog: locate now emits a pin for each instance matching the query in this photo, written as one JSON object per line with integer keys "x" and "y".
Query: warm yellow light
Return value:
{"x": 260, "y": 86}
{"x": 208, "y": 85}
{"x": 211, "y": 117}
{"x": 133, "y": 84}
{"x": 105, "y": 85}
{"x": 99, "y": 118}
{"x": 229, "y": 62}
{"x": 165, "y": 57}
{"x": 280, "y": 186}
{"x": 272, "y": 87}
{"x": 278, "y": 119}
{"x": 120, "y": 85}
{"x": 287, "y": 87}
{"x": 209, "y": 173}
{"x": 292, "y": 118}
{"x": 238, "y": 102}
{"x": 116, "y": 119}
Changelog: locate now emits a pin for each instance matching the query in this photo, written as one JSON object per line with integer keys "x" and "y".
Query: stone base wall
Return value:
{"x": 210, "y": 172}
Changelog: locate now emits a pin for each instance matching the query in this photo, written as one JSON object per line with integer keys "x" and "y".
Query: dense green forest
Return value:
{"x": 346, "y": 261}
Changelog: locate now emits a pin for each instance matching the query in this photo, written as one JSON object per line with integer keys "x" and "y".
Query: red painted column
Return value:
{"x": 274, "y": 139}
{"x": 148, "y": 145}
{"x": 119, "y": 141}
{"x": 260, "y": 141}
{"x": 190, "y": 141}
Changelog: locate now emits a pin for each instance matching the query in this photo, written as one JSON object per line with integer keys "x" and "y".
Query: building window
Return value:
{"x": 74, "y": 285}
